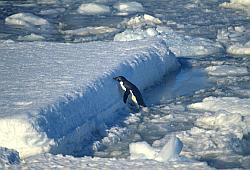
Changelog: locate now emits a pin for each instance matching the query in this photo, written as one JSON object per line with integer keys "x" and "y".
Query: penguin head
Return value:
{"x": 120, "y": 79}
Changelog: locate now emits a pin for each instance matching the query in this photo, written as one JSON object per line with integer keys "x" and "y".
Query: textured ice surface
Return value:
{"x": 48, "y": 161}
{"x": 64, "y": 92}
{"x": 8, "y": 157}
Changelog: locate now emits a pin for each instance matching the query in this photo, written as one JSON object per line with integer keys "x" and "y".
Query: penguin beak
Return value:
{"x": 115, "y": 78}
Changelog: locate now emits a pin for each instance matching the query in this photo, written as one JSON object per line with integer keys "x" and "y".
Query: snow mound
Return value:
{"x": 8, "y": 157}
{"x": 238, "y": 4}
{"x": 226, "y": 70}
{"x": 93, "y": 9}
{"x": 22, "y": 137}
{"x": 59, "y": 96}
{"x": 142, "y": 150}
{"x": 126, "y": 8}
{"x": 25, "y": 19}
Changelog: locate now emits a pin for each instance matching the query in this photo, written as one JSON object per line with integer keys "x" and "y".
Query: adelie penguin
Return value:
{"x": 130, "y": 90}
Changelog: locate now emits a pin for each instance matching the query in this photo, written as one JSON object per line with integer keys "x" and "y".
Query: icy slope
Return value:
{"x": 55, "y": 96}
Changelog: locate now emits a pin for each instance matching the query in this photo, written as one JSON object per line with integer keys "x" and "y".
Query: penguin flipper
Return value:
{"x": 125, "y": 96}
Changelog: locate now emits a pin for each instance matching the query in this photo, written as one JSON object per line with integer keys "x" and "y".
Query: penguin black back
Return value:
{"x": 130, "y": 88}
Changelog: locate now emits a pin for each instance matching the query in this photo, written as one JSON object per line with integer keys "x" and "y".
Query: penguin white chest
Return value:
{"x": 133, "y": 98}
{"x": 122, "y": 86}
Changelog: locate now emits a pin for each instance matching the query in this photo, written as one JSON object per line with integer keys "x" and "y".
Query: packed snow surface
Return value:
{"x": 54, "y": 95}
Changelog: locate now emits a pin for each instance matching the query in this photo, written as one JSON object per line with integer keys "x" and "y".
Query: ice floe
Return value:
{"x": 126, "y": 8}
{"x": 25, "y": 19}
{"x": 222, "y": 127}
{"x": 226, "y": 70}
{"x": 235, "y": 39}
{"x": 239, "y": 49}
{"x": 142, "y": 150}
{"x": 91, "y": 31}
{"x": 229, "y": 104}
{"x": 31, "y": 37}
{"x": 93, "y": 9}
{"x": 238, "y": 4}
{"x": 143, "y": 26}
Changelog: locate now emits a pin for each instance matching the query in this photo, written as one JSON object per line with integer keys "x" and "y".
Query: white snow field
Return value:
{"x": 56, "y": 97}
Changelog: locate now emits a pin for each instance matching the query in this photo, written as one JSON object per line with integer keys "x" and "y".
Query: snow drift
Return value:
{"x": 57, "y": 97}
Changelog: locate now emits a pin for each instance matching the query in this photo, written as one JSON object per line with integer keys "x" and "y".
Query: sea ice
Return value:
{"x": 126, "y": 8}
{"x": 180, "y": 45}
{"x": 88, "y": 31}
{"x": 131, "y": 35}
{"x": 93, "y": 9}
{"x": 8, "y": 157}
{"x": 235, "y": 39}
{"x": 25, "y": 19}
{"x": 229, "y": 104}
{"x": 226, "y": 70}
{"x": 142, "y": 150}
{"x": 48, "y": 161}
{"x": 141, "y": 21}
{"x": 31, "y": 37}
{"x": 54, "y": 11}
{"x": 238, "y": 4}
{"x": 239, "y": 49}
